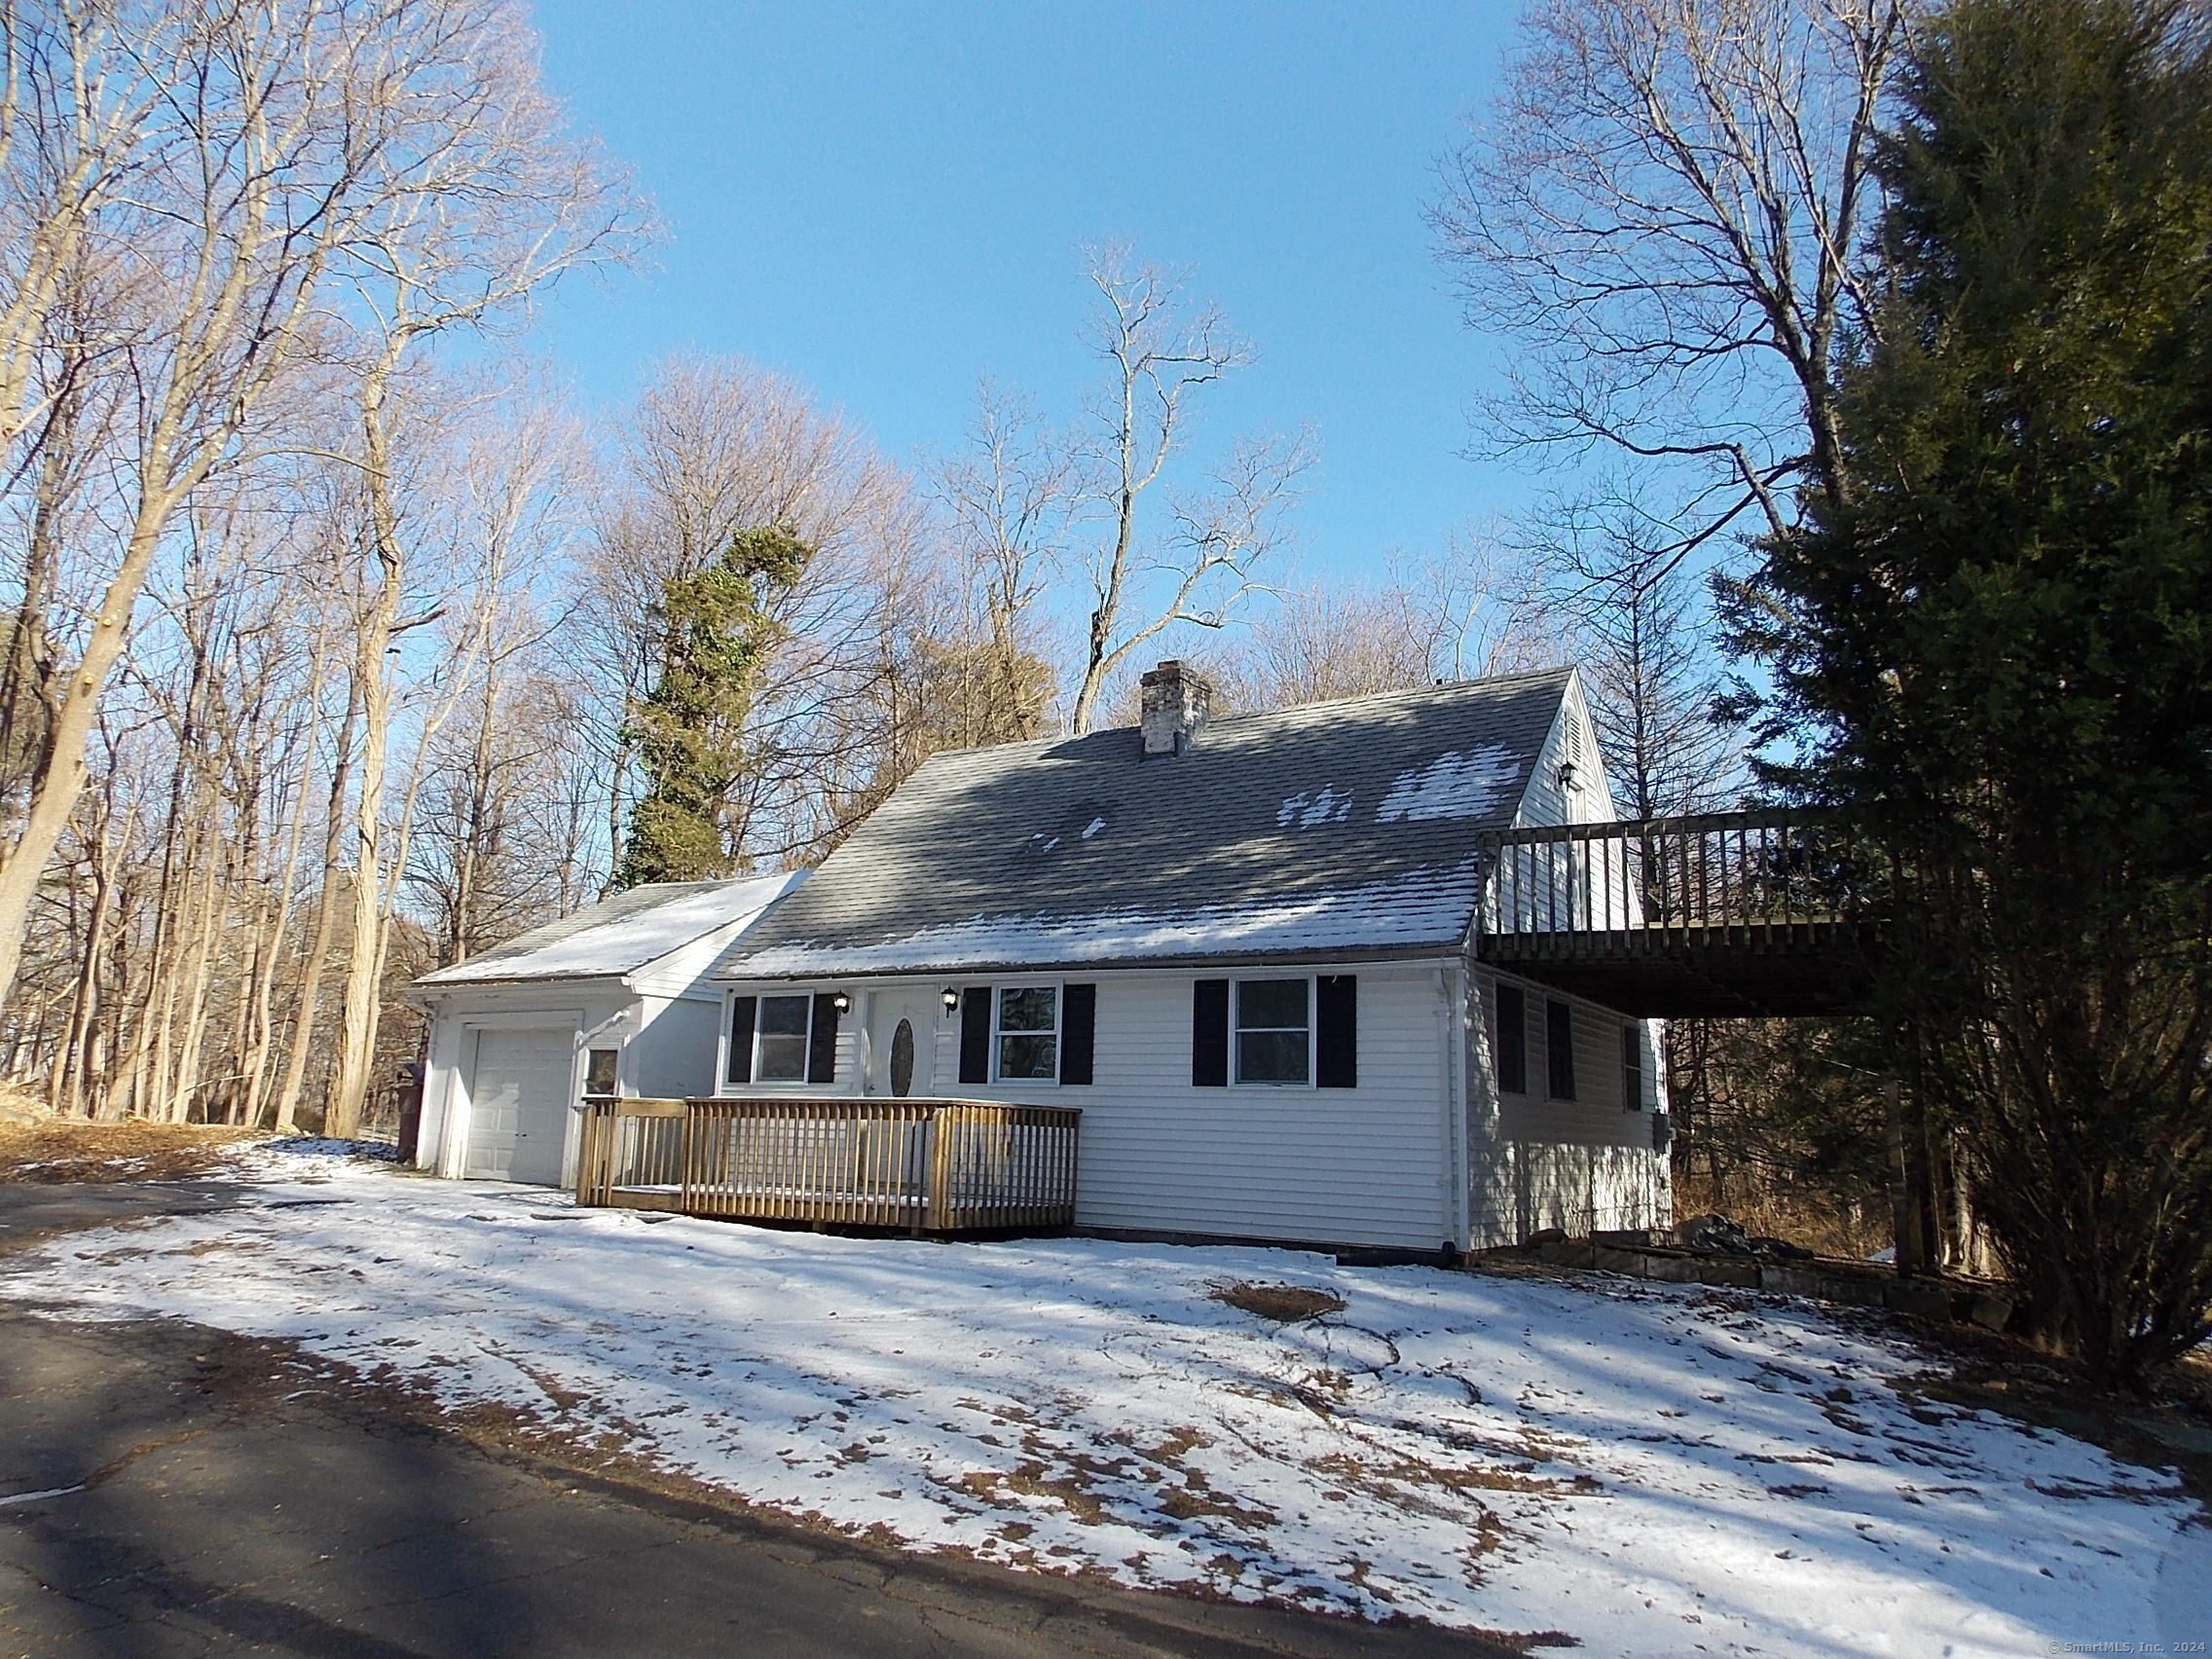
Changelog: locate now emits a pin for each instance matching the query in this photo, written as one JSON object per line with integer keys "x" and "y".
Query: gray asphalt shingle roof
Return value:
{"x": 1339, "y": 827}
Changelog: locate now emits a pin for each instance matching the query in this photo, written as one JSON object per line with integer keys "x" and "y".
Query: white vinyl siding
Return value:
{"x": 1579, "y": 1165}
{"x": 1368, "y": 1166}
{"x": 1574, "y": 740}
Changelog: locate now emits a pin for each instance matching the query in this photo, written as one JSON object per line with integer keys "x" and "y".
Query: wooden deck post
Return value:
{"x": 938, "y": 1202}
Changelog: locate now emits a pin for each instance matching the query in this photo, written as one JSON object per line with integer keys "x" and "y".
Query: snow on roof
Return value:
{"x": 1408, "y": 911}
{"x": 622, "y": 934}
{"x": 1346, "y": 827}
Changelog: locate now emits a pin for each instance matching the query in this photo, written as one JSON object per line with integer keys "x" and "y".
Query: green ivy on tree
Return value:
{"x": 716, "y": 627}
{"x": 1994, "y": 653}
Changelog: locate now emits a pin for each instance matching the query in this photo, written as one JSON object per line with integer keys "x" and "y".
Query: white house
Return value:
{"x": 615, "y": 998}
{"x": 1246, "y": 948}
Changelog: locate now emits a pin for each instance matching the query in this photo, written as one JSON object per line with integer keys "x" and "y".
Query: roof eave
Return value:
{"x": 1439, "y": 949}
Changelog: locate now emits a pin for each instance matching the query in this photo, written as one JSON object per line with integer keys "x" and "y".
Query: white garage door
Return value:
{"x": 518, "y": 1105}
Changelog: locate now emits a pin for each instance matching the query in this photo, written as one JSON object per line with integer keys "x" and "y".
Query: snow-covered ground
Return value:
{"x": 1651, "y": 1470}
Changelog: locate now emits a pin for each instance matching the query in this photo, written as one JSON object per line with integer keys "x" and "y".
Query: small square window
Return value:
{"x": 1274, "y": 1031}
{"x": 1028, "y": 1033}
{"x": 781, "y": 1042}
{"x": 599, "y": 1070}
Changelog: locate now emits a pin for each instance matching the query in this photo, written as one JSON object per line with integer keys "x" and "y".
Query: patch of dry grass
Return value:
{"x": 62, "y": 1150}
{"x": 1285, "y": 1303}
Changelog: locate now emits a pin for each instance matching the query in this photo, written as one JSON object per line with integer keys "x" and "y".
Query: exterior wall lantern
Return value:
{"x": 950, "y": 999}
{"x": 842, "y": 1003}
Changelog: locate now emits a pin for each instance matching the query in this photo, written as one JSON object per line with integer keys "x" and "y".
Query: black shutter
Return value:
{"x": 976, "y": 1034}
{"x": 739, "y": 1068}
{"x": 1079, "y": 1026}
{"x": 1336, "y": 1031}
{"x": 1209, "y": 1034}
{"x": 822, "y": 1040}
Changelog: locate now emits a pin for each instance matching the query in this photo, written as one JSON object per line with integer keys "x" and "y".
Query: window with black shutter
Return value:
{"x": 1209, "y": 1034}
{"x": 1558, "y": 1050}
{"x": 1509, "y": 1039}
{"x": 1632, "y": 1068}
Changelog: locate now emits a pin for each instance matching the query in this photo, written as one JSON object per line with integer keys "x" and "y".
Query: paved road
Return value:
{"x": 169, "y": 1491}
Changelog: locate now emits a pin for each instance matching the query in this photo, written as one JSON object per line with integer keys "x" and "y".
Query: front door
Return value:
{"x": 902, "y": 1044}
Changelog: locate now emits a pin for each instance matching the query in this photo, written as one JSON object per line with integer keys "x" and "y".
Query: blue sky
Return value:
{"x": 888, "y": 202}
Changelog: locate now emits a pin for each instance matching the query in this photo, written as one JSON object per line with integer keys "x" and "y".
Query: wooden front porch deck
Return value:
{"x": 1723, "y": 914}
{"x": 921, "y": 1167}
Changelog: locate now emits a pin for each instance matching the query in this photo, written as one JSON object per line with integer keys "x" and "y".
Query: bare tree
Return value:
{"x": 262, "y": 144}
{"x": 505, "y": 205}
{"x": 1014, "y": 501}
{"x": 1642, "y": 628}
{"x": 713, "y": 447}
{"x": 1161, "y": 349}
{"x": 1667, "y": 211}
{"x": 1476, "y": 611}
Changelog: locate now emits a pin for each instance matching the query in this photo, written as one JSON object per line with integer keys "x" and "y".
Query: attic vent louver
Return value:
{"x": 1175, "y": 708}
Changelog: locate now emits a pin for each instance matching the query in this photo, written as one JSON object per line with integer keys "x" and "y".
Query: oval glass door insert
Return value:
{"x": 902, "y": 1059}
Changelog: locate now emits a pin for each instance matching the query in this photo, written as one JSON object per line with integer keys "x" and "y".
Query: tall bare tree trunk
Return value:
{"x": 325, "y": 915}
{"x": 357, "y": 1030}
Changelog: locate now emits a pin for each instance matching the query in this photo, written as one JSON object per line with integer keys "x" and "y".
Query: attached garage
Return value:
{"x": 519, "y": 1090}
{"x": 614, "y": 999}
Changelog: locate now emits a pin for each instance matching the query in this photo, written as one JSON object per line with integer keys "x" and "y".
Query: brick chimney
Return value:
{"x": 1175, "y": 708}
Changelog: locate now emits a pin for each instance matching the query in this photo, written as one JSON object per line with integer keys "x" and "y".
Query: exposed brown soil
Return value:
{"x": 64, "y": 1150}
{"x": 1284, "y": 1304}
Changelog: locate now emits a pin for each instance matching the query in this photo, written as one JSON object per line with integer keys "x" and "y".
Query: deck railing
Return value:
{"x": 1760, "y": 870}
{"x": 924, "y": 1165}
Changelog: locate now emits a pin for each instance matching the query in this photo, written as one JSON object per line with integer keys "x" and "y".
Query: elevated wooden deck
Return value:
{"x": 921, "y": 1166}
{"x": 1726, "y": 915}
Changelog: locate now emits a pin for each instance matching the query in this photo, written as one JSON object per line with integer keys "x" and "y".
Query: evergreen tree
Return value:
{"x": 716, "y": 628}
{"x": 1992, "y": 648}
